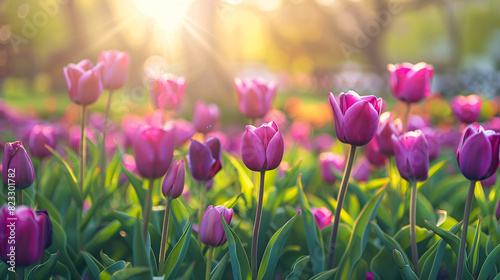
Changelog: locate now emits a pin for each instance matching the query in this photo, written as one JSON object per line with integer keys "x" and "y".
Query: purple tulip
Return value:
{"x": 254, "y": 96}
{"x": 204, "y": 159}
{"x": 467, "y": 109}
{"x": 323, "y": 217}
{"x": 115, "y": 69}
{"x": 39, "y": 137}
{"x": 205, "y": 117}
{"x": 361, "y": 172}
{"x": 322, "y": 142}
{"x": 167, "y": 91}
{"x": 32, "y": 232}
{"x": 478, "y": 153}
{"x": 491, "y": 181}
{"x": 370, "y": 276}
{"x": 17, "y": 167}
{"x": 433, "y": 139}
{"x": 356, "y": 119}
{"x": 262, "y": 148}
{"x": 497, "y": 212}
{"x": 153, "y": 150}
{"x": 84, "y": 82}
{"x": 386, "y": 128}
{"x": 412, "y": 155}
{"x": 211, "y": 229}
{"x": 410, "y": 83}
{"x": 417, "y": 122}
{"x": 173, "y": 183}
{"x": 300, "y": 133}
{"x": 373, "y": 153}
{"x": 329, "y": 162}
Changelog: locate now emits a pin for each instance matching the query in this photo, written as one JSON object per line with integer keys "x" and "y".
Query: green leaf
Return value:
{"x": 245, "y": 182}
{"x": 44, "y": 203}
{"x": 141, "y": 249}
{"x": 239, "y": 259}
{"x": 298, "y": 267}
{"x": 230, "y": 203}
{"x": 188, "y": 273}
{"x": 45, "y": 270}
{"x": 112, "y": 269}
{"x": 176, "y": 256}
{"x": 327, "y": 275}
{"x": 389, "y": 242}
{"x": 273, "y": 250}
{"x": 473, "y": 259}
{"x": 405, "y": 269}
{"x": 106, "y": 260}
{"x": 218, "y": 270}
{"x": 481, "y": 199}
{"x": 489, "y": 263}
{"x": 433, "y": 171}
{"x": 131, "y": 272}
{"x": 93, "y": 265}
{"x": 136, "y": 183}
{"x": 60, "y": 244}
{"x": 70, "y": 177}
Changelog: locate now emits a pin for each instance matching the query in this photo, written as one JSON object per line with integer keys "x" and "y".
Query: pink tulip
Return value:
{"x": 322, "y": 142}
{"x": 329, "y": 162}
{"x": 412, "y": 155}
{"x": 361, "y": 172}
{"x": 254, "y": 96}
{"x": 167, "y": 91}
{"x": 84, "y": 82}
{"x": 300, "y": 133}
{"x": 410, "y": 83}
{"x": 184, "y": 131}
{"x": 262, "y": 147}
{"x": 323, "y": 217}
{"x": 373, "y": 153}
{"x": 417, "y": 122}
{"x": 386, "y": 128}
{"x": 211, "y": 229}
{"x": 115, "y": 70}
{"x": 205, "y": 117}
{"x": 491, "y": 181}
{"x": 39, "y": 137}
{"x": 467, "y": 109}
{"x": 173, "y": 183}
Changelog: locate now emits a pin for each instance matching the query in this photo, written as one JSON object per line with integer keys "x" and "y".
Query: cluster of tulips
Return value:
{"x": 164, "y": 251}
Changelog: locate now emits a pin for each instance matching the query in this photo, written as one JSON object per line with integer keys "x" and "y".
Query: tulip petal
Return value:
{"x": 475, "y": 156}
{"x": 495, "y": 147}
{"x": 274, "y": 151}
{"x": 89, "y": 88}
{"x": 338, "y": 118}
{"x": 418, "y": 158}
{"x": 200, "y": 160}
{"x": 252, "y": 150}
{"x": 401, "y": 155}
{"x": 362, "y": 121}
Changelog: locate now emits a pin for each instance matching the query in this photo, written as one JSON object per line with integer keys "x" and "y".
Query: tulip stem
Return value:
{"x": 413, "y": 221}
{"x": 82, "y": 148}
{"x": 19, "y": 196}
{"x": 209, "y": 263}
{"x": 147, "y": 211}
{"x": 340, "y": 202}
{"x": 203, "y": 199}
{"x": 256, "y": 227}
{"x": 407, "y": 116}
{"x": 463, "y": 238}
{"x": 103, "y": 147}
{"x": 164, "y": 233}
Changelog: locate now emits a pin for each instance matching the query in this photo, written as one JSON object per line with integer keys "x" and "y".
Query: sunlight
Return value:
{"x": 167, "y": 13}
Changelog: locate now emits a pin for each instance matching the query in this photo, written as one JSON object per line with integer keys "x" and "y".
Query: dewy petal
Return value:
{"x": 252, "y": 150}
{"x": 274, "y": 151}
{"x": 362, "y": 121}
{"x": 338, "y": 118}
{"x": 475, "y": 158}
{"x": 419, "y": 157}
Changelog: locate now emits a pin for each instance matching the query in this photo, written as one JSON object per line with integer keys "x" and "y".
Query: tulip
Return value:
{"x": 386, "y": 128}
{"x": 323, "y": 216}
{"x": 205, "y": 117}
{"x": 433, "y": 139}
{"x": 370, "y": 276}
{"x": 254, "y": 96}
{"x": 39, "y": 137}
{"x": 300, "y": 132}
{"x": 32, "y": 232}
{"x": 417, "y": 122}
{"x": 322, "y": 142}
{"x": 467, "y": 109}
{"x": 17, "y": 167}
{"x": 410, "y": 83}
{"x": 356, "y": 119}
{"x": 277, "y": 116}
{"x": 361, "y": 171}
{"x": 490, "y": 181}
{"x": 497, "y": 212}
{"x": 84, "y": 82}
{"x": 262, "y": 148}
{"x": 115, "y": 69}
{"x": 329, "y": 162}
{"x": 173, "y": 183}
{"x": 184, "y": 130}
{"x": 204, "y": 159}
{"x": 373, "y": 153}
{"x": 167, "y": 91}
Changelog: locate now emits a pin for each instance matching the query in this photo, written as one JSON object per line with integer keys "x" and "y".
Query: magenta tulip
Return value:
{"x": 115, "y": 69}
{"x": 254, "y": 96}
{"x": 323, "y": 217}
{"x": 356, "y": 119}
{"x": 467, "y": 109}
{"x": 386, "y": 128}
{"x": 205, "y": 117}
{"x": 300, "y": 133}
{"x": 173, "y": 183}
{"x": 204, "y": 159}
{"x": 434, "y": 141}
{"x": 322, "y": 142}
{"x": 211, "y": 229}
{"x": 417, "y": 122}
{"x": 329, "y": 162}
{"x": 153, "y": 150}
{"x": 412, "y": 155}
{"x": 362, "y": 171}
{"x": 478, "y": 153}
{"x": 184, "y": 131}
{"x": 167, "y": 91}
{"x": 491, "y": 181}
{"x": 84, "y": 82}
{"x": 262, "y": 148}
{"x": 17, "y": 167}
{"x": 410, "y": 83}
{"x": 373, "y": 153}
{"x": 39, "y": 137}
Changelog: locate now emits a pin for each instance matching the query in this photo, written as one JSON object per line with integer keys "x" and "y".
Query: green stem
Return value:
{"x": 203, "y": 199}
{"x": 413, "y": 221}
{"x": 103, "y": 147}
{"x": 340, "y": 202}
{"x": 463, "y": 238}
{"x": 407, "y": 116}
{"x": 256, "y": 227}
{"x": 82, "y": 148}
{"x": 19, "y": 196}
{"x": 209, "y": 263}
{"x": 164, "y": 233}
{"x": 147, "y": 211}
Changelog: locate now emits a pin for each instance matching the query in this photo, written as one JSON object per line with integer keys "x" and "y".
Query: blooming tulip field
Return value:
{"x": 381, "y": 194}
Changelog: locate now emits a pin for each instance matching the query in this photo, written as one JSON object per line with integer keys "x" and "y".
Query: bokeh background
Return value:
{"x": 310, "y": 47}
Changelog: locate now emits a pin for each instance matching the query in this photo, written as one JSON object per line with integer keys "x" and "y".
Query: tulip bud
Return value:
{"x": 204, "y": 159}
{"x": 115, "y": 69}
{"x": 478, "y": 153}
{"x": 467, "y": 109}
{"x": 412, "y": 155}
{"x": 262, "y": 148}
{"x": 153, "y": 150}
{"x": 32, "y": 232}
{"x": 356, "y": 120}
{"x": 17, "y": 167}
{"x": 410, "y": 83}
{"x": 323, "y": 217}
{"x": 39, "y": 137}
{"x": 329, "y": 162}
{"x": 386, "y": 128}
{"x": 173, "y": 183}
{"x": 205, "y": 117}
{"x": 373, "y": 154}
{"x": 211, "y": 229}
{"x": 254, "y": 96}
{"x": 167, "y": 91}
{"x": 84, "y": 82}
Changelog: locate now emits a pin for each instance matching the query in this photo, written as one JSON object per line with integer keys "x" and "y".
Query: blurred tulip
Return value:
{"x": 362, "y": 171}
{"x": 478, "y": 153}
{"x": 277, "y": 116}
{"x": 491, "y": 181}
{"x": 115, "y": 69}
{"x": 356, "y": 120}
{"x": 254, "y": 96}
{"x": 39, "y": 137}
{"x": 173, "y": 183}
{"x": 128, "y": 162}
{"x": 167, "y": 91}
{"x": 373, "y": 153}
{"x": 84, "y": 82}
{"x": 322, "y": 142}
{"x": 433, "y": 139}
{"x": 205, "y": 117}
{"x": 131, "y": 124}
{"x": 329, "y": 162}
{"x": 416, "y": 122}
{"x": 410, "y": 83}
{"x": 370, "y": 276}
{"x": 153, "y": 150}
{"x": 323, "y": 217}
{"x": 386, "y": 128}
{"x": 184, "y": 130}
{"x": 300, "y": 133}
{"x": 262, "y": 148}
{"x": 211, "y": 229}
{"x": 32, "y": 231}
{"x": 17, "y": 167}
{"x": 467, "y": 109}
{"x": 412, "y": 155}
{"x": 204, "y": 159}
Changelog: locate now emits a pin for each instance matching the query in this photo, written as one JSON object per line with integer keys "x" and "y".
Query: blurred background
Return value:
{"x": 310, "y": 47}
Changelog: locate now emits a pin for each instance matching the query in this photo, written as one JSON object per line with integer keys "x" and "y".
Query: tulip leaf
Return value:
{"x": 231, "y": 202}
{"x": 473, "y": 259}
{"x": 44, "y": 203}
{"x": 106, "y": 260}
{"x": 481, "y": 199}
{"x": 140, "y": 249}
{"x": 70, "y": 177}
{"x": 239, "y": 259}
{"x": 389, "y": 242}
{"x": 245, "y": 182}
{"x": 219, "y": 269}
{"x": 313, "y": 235}
{"x": 93, "y": 265}
{"x": 131, "y": 272}
{"x": 327, "y": 275}
{"x": 273, "y": 250}
{"x": 60, "y": 244}
{"x": 359, "y": 236}
{"x": 405, "y": 270}
{"x": 136, "y": 183}
{"x": 176, "y": 256}
{"x": 102, "y": 237}
{"x": 107, "y": 273}
{"x": 433, "y": 171}
{"x": 489, "y": 264}
{"x": 44, "y": 270}
{"x": 298, "y": 267}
